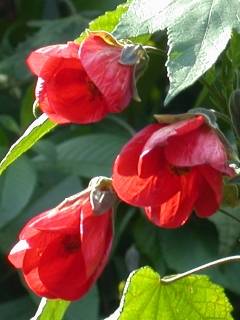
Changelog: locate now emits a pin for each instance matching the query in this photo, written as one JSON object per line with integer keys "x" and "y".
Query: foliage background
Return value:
{"x": 63, "y": 162}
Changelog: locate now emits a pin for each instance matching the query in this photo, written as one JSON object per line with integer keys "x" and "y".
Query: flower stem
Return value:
{"x": 170, "y": 279}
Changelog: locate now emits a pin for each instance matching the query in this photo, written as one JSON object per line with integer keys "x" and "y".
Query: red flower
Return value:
{"x": 171, "y": 169}
{"x": 82, "y": 83}
{"x": 63, "y": 251}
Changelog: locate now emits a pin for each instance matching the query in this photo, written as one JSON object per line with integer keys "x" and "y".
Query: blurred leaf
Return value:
{"x": 19, "y": 309}
{"x": 89, "y": 155}
{"x": 9, "y": 123}
{"x": 191, "y": 54}
{"x": 34, "y": 132}
{"x": 87, "y": 308}
{"x": 228, "y": 229}
{"x": 181, "y": 254}
{"x": 193, "y": 297}
{"x": 234, "y": 110}
{"x": 149, "y": 246}
{"x": 51, "y": 309}
{"x": 16, "y": 188}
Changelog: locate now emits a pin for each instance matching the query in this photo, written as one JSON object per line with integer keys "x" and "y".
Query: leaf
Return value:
{"x": 20, "y": 309}
{"x": 16, "y": 189}
{"x": 9, "y": 123}
{"x": 85, "y": 308}
{"x": 106, "y": 22}
{"x": 51, "y": 309}
{"x": 89, "y": 155}
{"x": 34, "y": 132}
{"x": 198, "y": 31}
{"x": 193, "y": 297}
{"x": 228, "y": 229}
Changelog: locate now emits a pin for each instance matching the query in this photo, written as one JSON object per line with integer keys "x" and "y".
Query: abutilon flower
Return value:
{"x": 82, "y": 83}
{"x": 171, "y": 169}
{"x": 63, "y": 251}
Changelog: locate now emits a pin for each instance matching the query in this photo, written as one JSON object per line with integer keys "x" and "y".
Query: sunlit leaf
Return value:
{"x": 193, "y": 297}
{"x": 34, "y": 132}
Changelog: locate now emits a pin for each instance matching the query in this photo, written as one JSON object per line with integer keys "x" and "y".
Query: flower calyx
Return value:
{"x": 102, "y": 196}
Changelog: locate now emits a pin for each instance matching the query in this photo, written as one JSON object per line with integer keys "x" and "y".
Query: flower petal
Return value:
{"x": 201, "y": 146}
{"x": 210, "y": 191}
{"x": 161, "y": 137}
{"x": 96, "y": 239}
{"x": 143, "y": 182}
{"x": 37, "y": 59}
{"x": 17, "y": 253}
{"x": 63, "y": 270}
{"x": 69, "y": 94}
{"x": 114, "y": 80}
{"x": 34, "y": 282}
{"x": 176, "y": 210}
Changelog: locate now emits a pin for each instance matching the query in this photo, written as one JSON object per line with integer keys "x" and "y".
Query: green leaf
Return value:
{"x": 16, "y": 189}
{"x": 228, "y": 229}
{"x": 8, "y": 123}
{"x": 198, "y": 31}
{"x": 106, "y": 22}
{"x": 34, "y": 132}
{"x": 89, "y": 155}
{"x": 17, "y": 309}
{"x": 85, "y": 308}
{"x": 193, "y": 297}
{"x": 51, "y": 309}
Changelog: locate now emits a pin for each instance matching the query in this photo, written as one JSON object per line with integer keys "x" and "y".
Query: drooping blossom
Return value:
{"x": 171, "y": 169}
{"x": 63, "y": 251}
{"x": 82, "y": 83}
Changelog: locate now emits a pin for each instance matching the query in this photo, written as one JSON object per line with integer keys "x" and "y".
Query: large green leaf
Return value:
{"x": 89, "y": 155}
{"x": 16, "y": 188}
{"x": 34, "y": 132}
{"x": 198, "y": 31}
{"x": 17, "y": 309}
{"x": 228, "y": 229}
{"x": 191, "y": 298}
{"x": 51, "y": 309}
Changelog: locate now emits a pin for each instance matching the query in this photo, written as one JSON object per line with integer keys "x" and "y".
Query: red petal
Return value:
{"x": 68, "y": 95}
{"x": 17, "y": 253}
{"x": 143, "y": 182}
{"x": 33, "y": 281}
{"x": 201, "y": 146}
{"x": 37, "y": 59}
{"x": 210, "y": 191}
{"x": 96, "y": 239}
{"x": 176, "y": 211}
{"x": 165, "y": 132}
{"x": 114, "y": 80}
{"x": 63, "y": 271}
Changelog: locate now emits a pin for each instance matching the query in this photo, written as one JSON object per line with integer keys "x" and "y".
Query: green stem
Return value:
{"x": 170, "y": 279}
{"x": 123, "y": 124}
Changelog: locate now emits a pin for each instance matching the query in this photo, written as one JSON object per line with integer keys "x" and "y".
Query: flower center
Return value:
{"x": 71, "y": 242}
{"x": 180, "y": 171}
